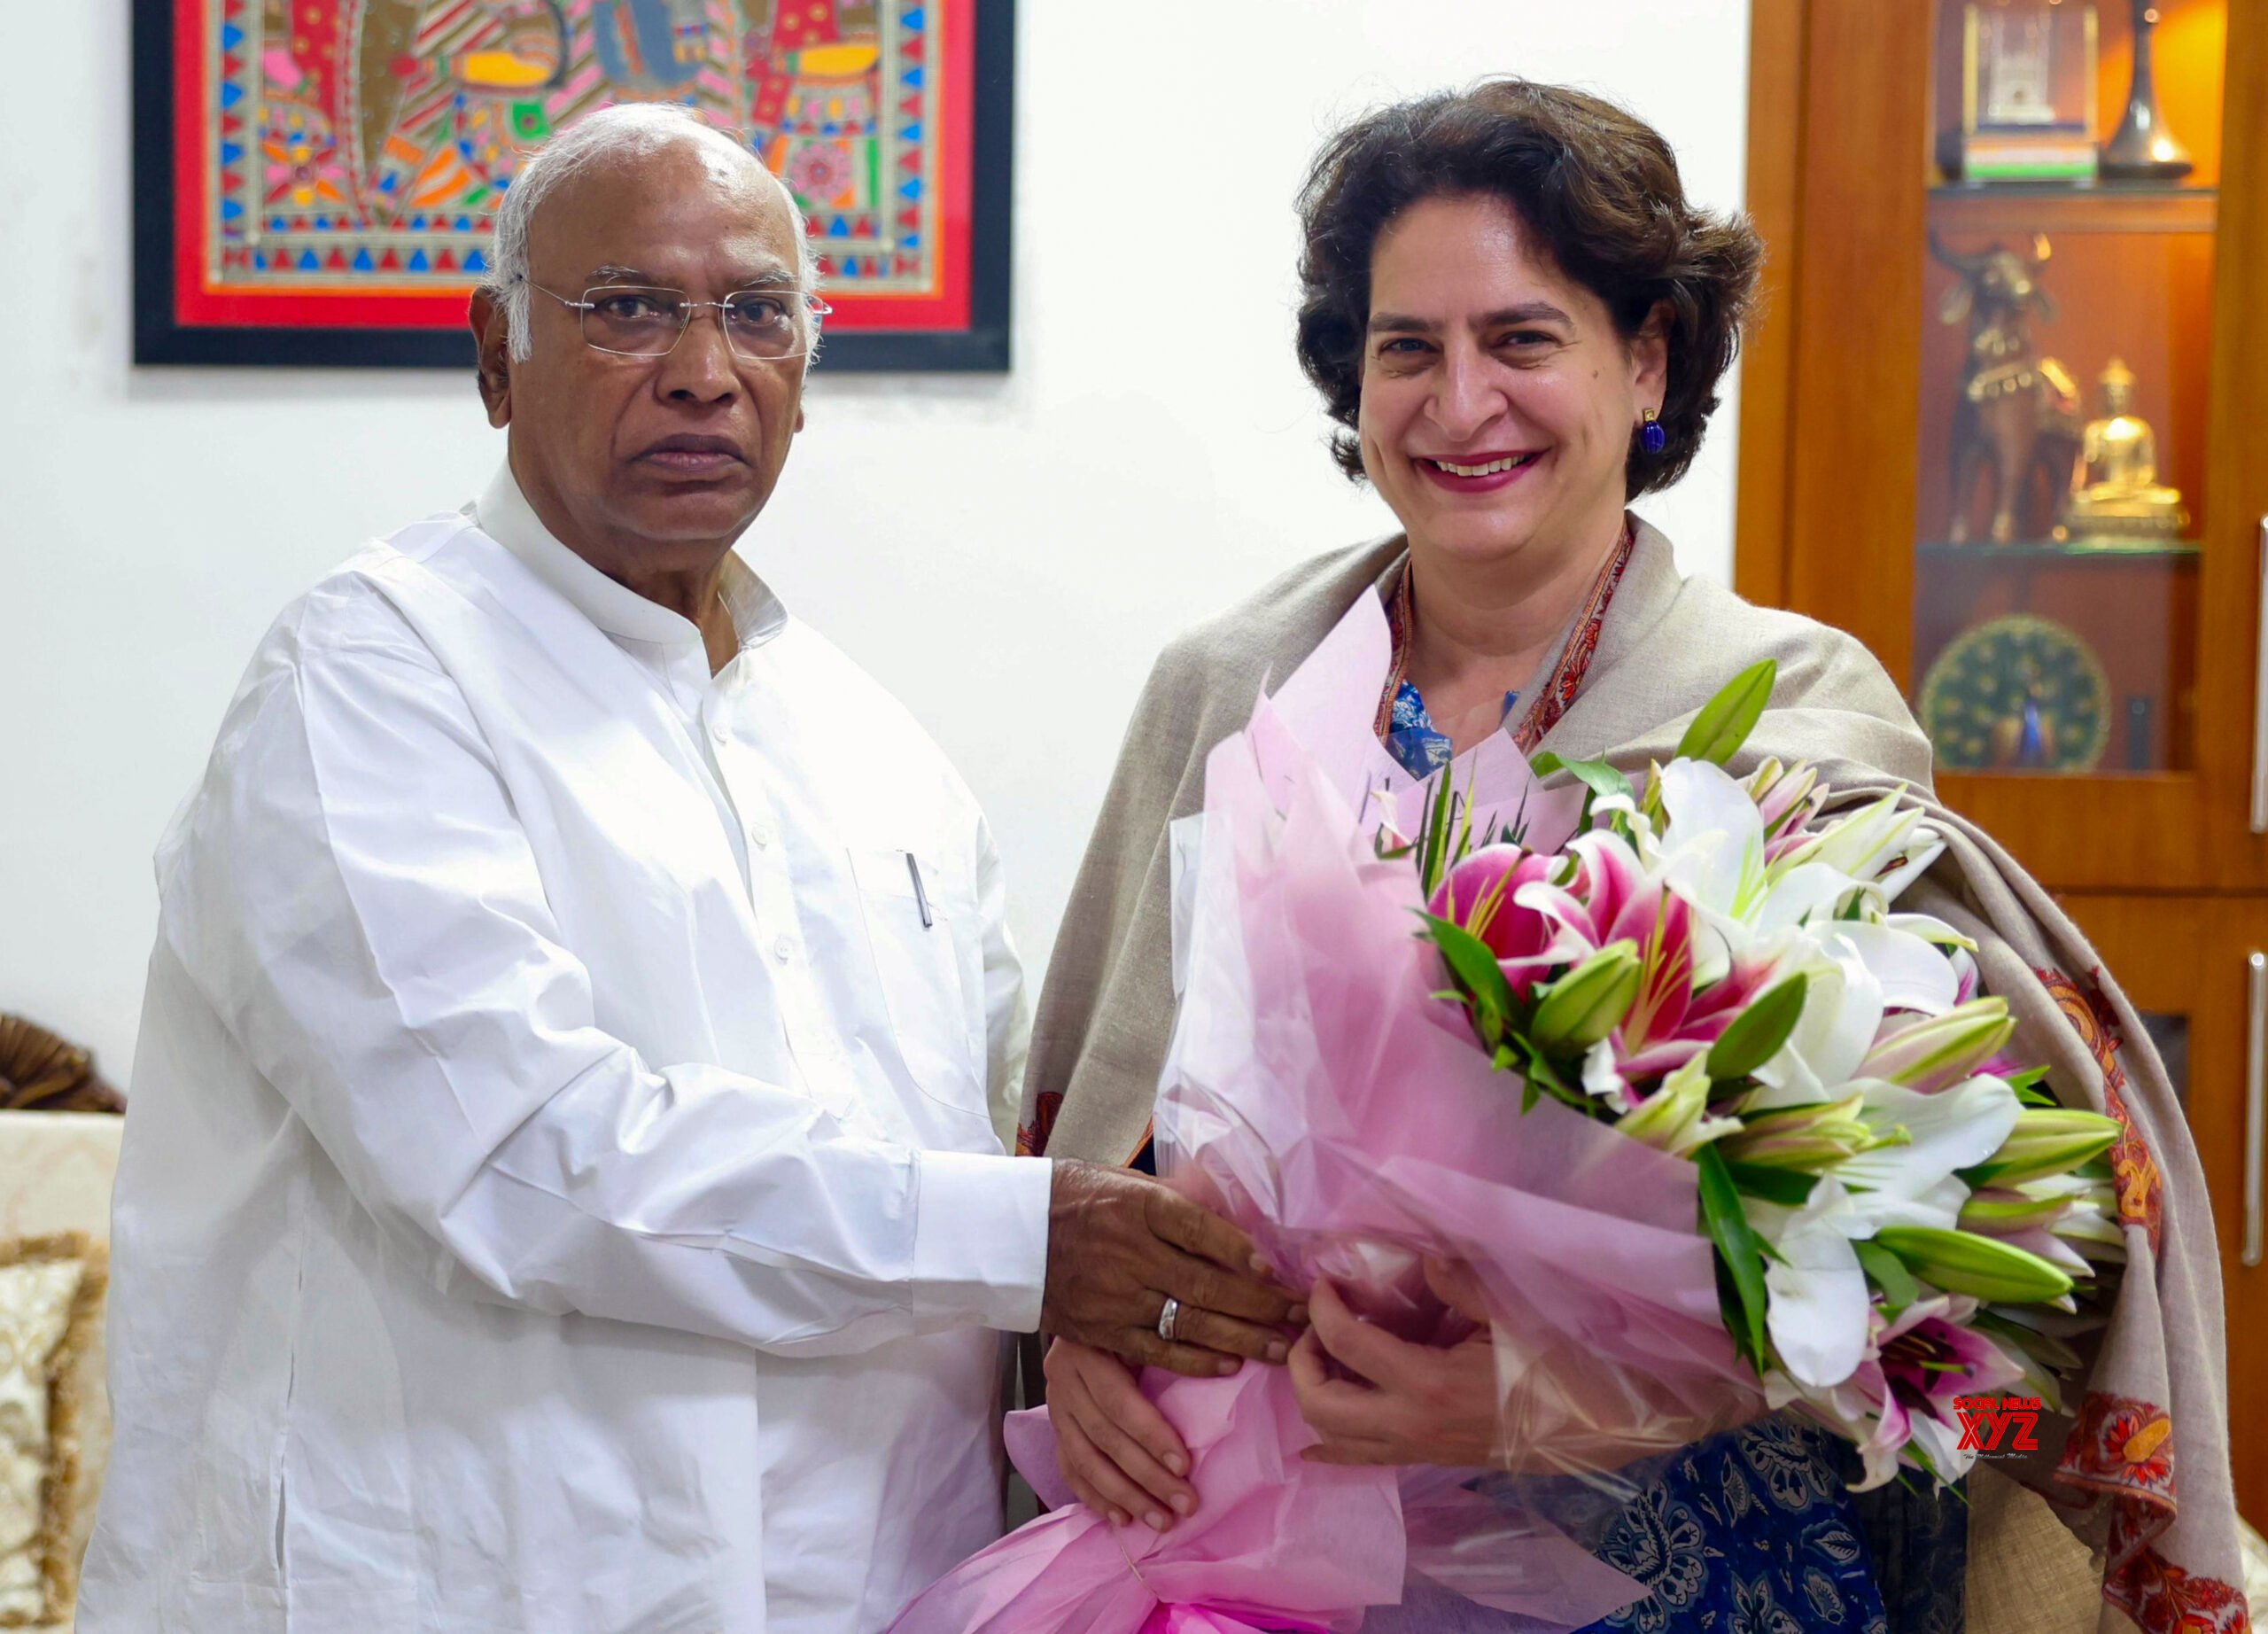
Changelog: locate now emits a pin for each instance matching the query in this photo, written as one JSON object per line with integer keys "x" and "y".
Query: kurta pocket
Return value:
{"x": 914, "y": 923}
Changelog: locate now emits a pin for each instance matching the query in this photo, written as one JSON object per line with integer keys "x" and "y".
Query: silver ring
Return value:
{"x": 1168, "y": 1316}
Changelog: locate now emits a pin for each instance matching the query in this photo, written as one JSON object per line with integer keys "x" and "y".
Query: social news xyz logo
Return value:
{"x": 1999, "y": 1426}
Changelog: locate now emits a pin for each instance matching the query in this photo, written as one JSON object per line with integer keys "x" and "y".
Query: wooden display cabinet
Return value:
{"x": 2094, "y": 673}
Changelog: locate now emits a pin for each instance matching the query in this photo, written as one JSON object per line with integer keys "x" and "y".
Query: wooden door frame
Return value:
{"x": 1775, "y": 187}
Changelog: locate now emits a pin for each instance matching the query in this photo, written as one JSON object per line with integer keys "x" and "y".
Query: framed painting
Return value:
{"x": 314, "y": 180}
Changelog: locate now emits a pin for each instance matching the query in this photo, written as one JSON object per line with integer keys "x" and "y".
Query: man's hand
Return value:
{"x": 1116, "y": 1450}
{"x": 1119, "y": 1244}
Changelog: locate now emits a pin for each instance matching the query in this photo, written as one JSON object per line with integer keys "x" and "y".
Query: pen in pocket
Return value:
{"x": 920, "y": 897}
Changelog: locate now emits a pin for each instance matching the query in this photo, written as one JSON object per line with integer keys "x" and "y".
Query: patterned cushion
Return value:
{"x": 55, "y": 1188}
{"x": 50, "y": 1301}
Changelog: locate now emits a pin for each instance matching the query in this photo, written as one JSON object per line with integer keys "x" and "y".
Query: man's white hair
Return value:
{"x": 630, "y": 129}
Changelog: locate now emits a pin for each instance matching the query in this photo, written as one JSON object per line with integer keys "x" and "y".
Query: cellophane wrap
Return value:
{"x": 1320, "y": 1094}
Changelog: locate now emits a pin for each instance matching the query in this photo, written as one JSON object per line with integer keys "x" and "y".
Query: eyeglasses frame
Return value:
{"x": 816, "y": 307}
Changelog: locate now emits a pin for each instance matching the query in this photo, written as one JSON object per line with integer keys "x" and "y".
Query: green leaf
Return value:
{"x": 1728, "y": 1310}
{"x": 2049, "y": 1352}
{"x": 1474, "y": 967}
{"x": 1725, "y": 721}
{"x": 1541, "y": 1074}
{"x": 1759, "y": 1032}
{"x": 1737, "y": 1248}
{"x": 1790, "y": 1189}
{"x": 1595, "y": 775}
{"x": 1889, "y": 1274}
{"x": 2027, "y": 1085}
{"x": 1434, "y": 850}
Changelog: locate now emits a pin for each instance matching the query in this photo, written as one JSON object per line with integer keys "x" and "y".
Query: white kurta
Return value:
{"x": 562, "y": 1192}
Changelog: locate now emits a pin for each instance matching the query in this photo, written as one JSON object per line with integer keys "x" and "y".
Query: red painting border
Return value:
{"x": 195, "y": 305}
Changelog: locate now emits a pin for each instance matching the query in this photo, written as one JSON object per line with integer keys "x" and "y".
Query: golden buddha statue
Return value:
{"x": 2115, "y": 490}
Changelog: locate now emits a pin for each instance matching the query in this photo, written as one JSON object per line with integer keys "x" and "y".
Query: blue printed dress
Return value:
{"x": 1754, "y": 1531}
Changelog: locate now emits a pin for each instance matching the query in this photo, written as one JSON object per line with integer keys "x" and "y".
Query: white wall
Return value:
{"x": 1007, "y": 555}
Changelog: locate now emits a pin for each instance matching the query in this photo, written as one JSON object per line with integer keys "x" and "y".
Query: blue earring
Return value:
{"x": 1652, "y": 438}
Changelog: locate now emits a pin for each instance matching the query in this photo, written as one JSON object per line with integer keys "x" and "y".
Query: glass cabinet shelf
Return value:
{"x": 2062, "y": 550}
{"x": 2085, "y": 207}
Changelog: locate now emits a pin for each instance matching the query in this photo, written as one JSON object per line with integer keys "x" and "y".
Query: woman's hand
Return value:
{"x": 1117, "y": 1451}
{"x": 1414, "y": 1403}
{"x": 1410, "y": 1403}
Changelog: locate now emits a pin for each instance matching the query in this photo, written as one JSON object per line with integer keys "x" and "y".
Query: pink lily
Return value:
{"x": 1611, "y": 898}
{"x": 1903, "y": 1394}
{"x": 1486, "y": 894}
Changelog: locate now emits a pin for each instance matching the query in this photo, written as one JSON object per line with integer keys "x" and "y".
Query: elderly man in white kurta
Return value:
{"x": 562, "y": 1193}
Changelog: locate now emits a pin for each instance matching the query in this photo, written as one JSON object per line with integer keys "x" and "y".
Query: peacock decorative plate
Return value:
{"x": 2020, "y": 693}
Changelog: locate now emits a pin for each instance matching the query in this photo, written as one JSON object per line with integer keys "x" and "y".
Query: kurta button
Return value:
{"x": 784, "y": 949}
{"x": 760, "y": 836}
{"x": 717, "y": 730}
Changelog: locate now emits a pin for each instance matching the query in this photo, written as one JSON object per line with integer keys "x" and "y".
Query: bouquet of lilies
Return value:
{"x": 1751, "y": 1144}
{"x": 1716, "y": 967}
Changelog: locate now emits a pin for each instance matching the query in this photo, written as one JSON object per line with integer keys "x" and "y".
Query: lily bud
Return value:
{"x": 1813, "y": 1138}
{"x": 1780, "y": 791}
{"x": 1942, "y": 1051}
{"x": 1675, "y": 1118}
{"x": 1960, "y": 1262}
{"x": 1862, "y": 842}
{"x": 2087, "y": 1212}
{"x": 1588, "y": 1002}
{"x": 2046, "y": 1141}
{"x": 1995, "y": 1212}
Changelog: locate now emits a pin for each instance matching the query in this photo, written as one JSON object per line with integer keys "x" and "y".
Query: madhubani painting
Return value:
{"x": 326, "y": 180}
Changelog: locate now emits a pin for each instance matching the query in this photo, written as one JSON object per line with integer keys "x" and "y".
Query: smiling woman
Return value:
{"x": 1517, "y": 324}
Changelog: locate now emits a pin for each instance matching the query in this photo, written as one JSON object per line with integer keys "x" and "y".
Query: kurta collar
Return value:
{"x": 503, "y": 513}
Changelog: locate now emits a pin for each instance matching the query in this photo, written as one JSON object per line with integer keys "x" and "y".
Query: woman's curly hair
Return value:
{"x": 1597, "y": 186}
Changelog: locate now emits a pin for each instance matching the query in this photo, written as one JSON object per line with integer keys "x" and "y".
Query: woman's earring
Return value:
{"x": 1651, "y": 436}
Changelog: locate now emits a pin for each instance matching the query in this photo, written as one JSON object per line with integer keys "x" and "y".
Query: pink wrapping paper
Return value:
{"x": 1312, "y": 1095}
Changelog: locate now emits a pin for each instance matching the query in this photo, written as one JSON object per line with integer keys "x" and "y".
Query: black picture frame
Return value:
{"x": 161, "y": 340}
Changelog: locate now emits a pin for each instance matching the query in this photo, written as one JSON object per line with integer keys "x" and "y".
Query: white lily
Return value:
{"x": 1599, "y": 1077}
{"x": 1711, "y": 851}
{"x": 1915, "y": 972}
{"x": 1817, "y": 1313}
{"x": 1843, "y": 1010}
{"x": 1944, "y": 1132}
{"x": 1819, "y": 1297}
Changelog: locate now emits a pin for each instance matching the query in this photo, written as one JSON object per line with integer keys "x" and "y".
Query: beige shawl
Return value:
{"x": 1106, "y": 1014}
{"x": 2155, "y": 1398}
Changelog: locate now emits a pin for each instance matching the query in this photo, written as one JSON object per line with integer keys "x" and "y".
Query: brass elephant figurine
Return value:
{"x": 2019, "y": 411}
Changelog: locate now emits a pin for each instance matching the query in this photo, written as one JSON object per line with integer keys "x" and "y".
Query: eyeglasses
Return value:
{"x": 636, "y": 321}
